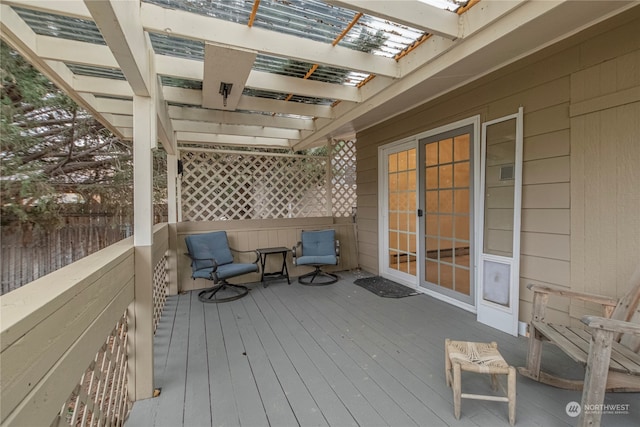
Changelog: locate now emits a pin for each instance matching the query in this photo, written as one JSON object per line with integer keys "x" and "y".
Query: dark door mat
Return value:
{"x": 384, "y": 287}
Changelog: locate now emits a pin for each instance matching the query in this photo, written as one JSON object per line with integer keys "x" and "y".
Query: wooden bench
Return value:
{"x": 609, "y": 346}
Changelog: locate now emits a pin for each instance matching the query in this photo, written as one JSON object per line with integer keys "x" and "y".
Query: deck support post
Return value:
{"x": 141, "y": 311}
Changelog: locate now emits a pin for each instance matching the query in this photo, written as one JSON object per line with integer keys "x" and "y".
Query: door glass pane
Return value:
{"x": 447, "y": 220}
{"x": 499, "y": 188}
{"x": 402, "y": 211}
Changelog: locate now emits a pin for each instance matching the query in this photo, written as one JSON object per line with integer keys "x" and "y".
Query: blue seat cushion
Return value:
{"x": 231, "y": 270}
{"x": 205, "y": 247}
{"x": 225, "y": 271}
{"x": 317, "y": 260}
{"x": 318, "y": 244}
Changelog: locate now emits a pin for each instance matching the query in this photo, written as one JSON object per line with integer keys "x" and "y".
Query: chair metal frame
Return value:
{"x": 309, "y": 278}
{"x": 211, "y": 294}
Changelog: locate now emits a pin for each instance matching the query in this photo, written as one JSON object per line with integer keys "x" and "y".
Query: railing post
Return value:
{"x": 141, "y": 311}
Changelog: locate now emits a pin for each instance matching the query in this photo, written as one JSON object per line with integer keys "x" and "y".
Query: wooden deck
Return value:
{"x": 335, "y": 355}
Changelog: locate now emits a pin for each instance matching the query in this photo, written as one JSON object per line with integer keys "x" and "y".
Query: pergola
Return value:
{"x": 266, "y": 74}
{"x": 271, "y": 74}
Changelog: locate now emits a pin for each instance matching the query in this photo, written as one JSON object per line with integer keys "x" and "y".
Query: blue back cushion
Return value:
{"x": 315, "y": 243}
{"x": 206, "y": 246}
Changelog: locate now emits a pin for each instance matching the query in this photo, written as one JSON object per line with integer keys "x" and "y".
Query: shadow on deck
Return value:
{"x": 337, "y": 356}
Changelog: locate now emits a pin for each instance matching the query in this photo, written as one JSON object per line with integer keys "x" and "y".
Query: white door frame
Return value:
{"x": 383, "y": 202}
{"x": 405, "y": 144}
{"x": 501, "y": 316}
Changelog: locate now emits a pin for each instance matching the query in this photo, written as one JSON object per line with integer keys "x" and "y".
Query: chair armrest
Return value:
{"x": 213, "y": 261}
{"x": 612, "y": 325}
{"x": 598, "y": 299}
{"x": 246, "y": 252}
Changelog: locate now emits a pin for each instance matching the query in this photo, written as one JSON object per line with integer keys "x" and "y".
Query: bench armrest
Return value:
{"x": 618, "y": 326}
{"x": 598, "y": 299}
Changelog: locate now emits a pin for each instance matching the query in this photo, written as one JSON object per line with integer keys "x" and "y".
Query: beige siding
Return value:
{"x": 605, "y": 219}
{"x": 580, "y": 187}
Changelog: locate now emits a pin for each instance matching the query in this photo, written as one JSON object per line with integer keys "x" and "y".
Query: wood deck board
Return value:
{"x": 338, "y": 356}
{"x": 307, "y": 345}
{"x": 311, "y": 396}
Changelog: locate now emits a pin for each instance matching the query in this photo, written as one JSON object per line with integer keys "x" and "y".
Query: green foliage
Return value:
{"x": 55, "y": 158}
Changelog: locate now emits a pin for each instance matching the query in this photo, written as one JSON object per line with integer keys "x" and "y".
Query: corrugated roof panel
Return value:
{"x": 181, "y": 83}
{"x": 176, "y": 46}
{"x": 48, "y": 24}
{"x": 94, "y": 71}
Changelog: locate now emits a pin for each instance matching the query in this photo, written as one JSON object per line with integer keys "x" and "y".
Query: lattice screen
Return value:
{"x": 160, "y": 282}
{"x": 343, "y": 167}
{"x": 221, "y": 185}
{"x": 100, "y": 398}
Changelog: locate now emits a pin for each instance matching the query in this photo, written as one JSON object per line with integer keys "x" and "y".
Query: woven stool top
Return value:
{"x": 483, "y": 356}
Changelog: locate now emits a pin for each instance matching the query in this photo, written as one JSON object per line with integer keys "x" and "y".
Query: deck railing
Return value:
{"x": 63, "y": 339}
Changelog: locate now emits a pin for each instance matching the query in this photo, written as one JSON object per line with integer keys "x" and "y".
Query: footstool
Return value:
{"x": 482, "y": 358}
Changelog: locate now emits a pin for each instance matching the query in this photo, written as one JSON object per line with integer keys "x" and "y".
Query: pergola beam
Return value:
{"x": 237, "y": 140}
{"x": 227, "y": 129}
{"x": 217, "y": 31}
{"x": 233, "y": 118}
{"x": 119, "y": 23}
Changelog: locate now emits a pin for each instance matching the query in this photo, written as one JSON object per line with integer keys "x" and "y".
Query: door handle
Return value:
{"x": 420, "y": 212}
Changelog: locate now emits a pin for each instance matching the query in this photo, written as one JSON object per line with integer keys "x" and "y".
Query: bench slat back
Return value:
{"x": 628, "y": 310}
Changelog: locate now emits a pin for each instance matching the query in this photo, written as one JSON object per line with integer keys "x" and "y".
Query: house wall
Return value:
{"x": 581, "y": 180}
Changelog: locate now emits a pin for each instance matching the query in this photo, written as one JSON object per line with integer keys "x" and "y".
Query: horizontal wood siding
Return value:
{"x": 248, "y": 235}
{"x": 53, "y": 327}
{"x": 545, "y": 85}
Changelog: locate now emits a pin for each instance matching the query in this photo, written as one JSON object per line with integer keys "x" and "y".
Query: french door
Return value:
{"x": 426, "y": 190}
{"x": 446, "y": 201}
{"x": 398, "y": 213}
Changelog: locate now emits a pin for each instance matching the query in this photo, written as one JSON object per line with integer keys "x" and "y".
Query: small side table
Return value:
{"x": 283, "y": 273}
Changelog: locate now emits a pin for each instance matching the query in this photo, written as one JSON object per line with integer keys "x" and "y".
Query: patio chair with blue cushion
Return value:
{"x": 212, "y": 259}
{"x": 317, "y": 249}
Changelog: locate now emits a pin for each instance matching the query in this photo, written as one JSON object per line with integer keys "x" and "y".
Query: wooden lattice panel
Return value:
{"x": 160, "y": 285}
{"x": 101, "y": 398}
{"x": 223, "y": 185}
{"x": 343, "y": 167}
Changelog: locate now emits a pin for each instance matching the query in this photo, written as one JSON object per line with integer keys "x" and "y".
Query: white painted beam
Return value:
{"x": 233, "y": 118}
{"x": 197, "y": 27}
{"x": 102, "y": 86}
{"x": 194, "y": 97}
{"x": 242, "y": 141}
{"x": 114, "y": 106}
{"x": 166, "y": 133}
{"x": 408, "y": 12}
{"x": 76, "y": 52}
{"x": 119, "y": 23}
{"x": 313, "y": 88}
{"x": 221, "y": 128}
{"x": 70, "y": 8}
